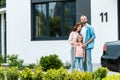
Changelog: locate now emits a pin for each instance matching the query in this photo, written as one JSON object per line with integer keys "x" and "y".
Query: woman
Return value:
{"x": 72, "y": 40}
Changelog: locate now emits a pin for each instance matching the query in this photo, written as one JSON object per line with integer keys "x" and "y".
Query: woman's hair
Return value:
{"x": 76, "y": 26}
{"x": 81, "y": 36}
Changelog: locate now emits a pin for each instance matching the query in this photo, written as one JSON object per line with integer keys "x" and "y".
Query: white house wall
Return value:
{"x": 19, "y": 35}
{"x": 19, "y": 32}
{"x": 105, "y": 31}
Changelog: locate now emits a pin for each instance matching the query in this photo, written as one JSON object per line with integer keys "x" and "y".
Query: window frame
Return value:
{"x": 33, "y": 38}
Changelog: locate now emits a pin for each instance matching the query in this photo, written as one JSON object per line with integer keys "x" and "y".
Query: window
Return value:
{"x": 53, "y": 20}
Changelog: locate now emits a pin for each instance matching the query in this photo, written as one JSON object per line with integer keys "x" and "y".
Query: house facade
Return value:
{"x": 35, "y": 28}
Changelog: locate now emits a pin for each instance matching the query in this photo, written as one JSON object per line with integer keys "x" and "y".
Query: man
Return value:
{"x": 88, "y": 39}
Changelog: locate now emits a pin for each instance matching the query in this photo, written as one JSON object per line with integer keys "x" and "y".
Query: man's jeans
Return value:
{"x": 72, "y": 59}
{"x": 88, "y": 66}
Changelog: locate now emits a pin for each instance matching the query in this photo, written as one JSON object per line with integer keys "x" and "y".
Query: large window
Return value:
{"x": 52, "y": 20}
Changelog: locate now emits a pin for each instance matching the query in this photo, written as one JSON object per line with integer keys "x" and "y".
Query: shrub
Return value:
{"x": 26, "y": 74}
{"x": 2, "y": 73}
{"x": 31, "y": 66}
{"x": 54, "y": 74}
{"x": 2, "y": 76}
{"x": 112, "y": 77}
{"x": 38, "y": 74}
{"x": 100, "y": 73}
{"x": 1, "y": 59}
{"x": 13, "y": 61}
{"x": 12, "y": 74}
{"x": 50, "y": 62}
{"x": 88, "y": 76}
{"x": 75, "y": 75}
{"x": 59, "y": 74}
{"x": 62, "y": 73}
{"x": 51, "y": 75}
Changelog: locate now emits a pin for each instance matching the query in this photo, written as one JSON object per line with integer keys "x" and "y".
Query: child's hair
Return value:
{"x": 76, "y": 26}
{"x": 81, "y": 36}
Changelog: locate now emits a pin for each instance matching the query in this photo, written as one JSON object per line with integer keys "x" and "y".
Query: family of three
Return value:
{"x": 81, "y": 40}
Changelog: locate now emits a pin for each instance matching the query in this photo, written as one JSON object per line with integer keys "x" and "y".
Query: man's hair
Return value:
{"x": 83, "y": 16}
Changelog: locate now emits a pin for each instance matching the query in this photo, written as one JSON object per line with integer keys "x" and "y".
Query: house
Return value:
{"x": 35, "y": 28}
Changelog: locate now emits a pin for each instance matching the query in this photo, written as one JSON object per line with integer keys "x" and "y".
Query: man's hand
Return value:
{"x": 84, "y": 45}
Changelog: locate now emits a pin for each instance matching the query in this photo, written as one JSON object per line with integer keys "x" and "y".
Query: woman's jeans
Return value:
{"x": 79, "y": 64}
{"x": 72, "y": 59}
{"x": 88, "y": 66}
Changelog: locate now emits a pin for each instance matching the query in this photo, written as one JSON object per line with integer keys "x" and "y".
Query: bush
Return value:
{"x": 51, "y": 75}
{"x": 13, "y": 61}
{"x": 54, "y": 74}
{"x": 12, "y": 74}
{"x": 2, "y": 73}
{"x": 1, "y": 59}
{"x": 50, "y": 62}
{"x": 88, "y": 76}
{"x": 2, "y": 76}
{"x": 26, "y": 74}
{"x": 62, "y": 73}
{"x": 100, "y": 73}
{"x": 31, "y": 66}
{"x": 75, "y": 75}
{"x": 112, "y": 77}
{"x": 59, "y": 74}
{"x": 38, "y": 74}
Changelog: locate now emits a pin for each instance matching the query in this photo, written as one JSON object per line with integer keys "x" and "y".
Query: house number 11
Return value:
{"x": 104, "y": 17}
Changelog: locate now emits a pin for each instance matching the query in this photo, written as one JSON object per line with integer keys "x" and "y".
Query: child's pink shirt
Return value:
{"x": 73, "y": 38}
{"x": 79, "y": 51}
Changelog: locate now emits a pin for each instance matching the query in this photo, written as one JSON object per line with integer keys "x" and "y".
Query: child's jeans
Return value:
{"x": 79, "y": 63}
{"x": 72, "y": 59}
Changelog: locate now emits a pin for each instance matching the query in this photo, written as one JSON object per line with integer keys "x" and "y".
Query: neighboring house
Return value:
{"x": 35, "y": 28}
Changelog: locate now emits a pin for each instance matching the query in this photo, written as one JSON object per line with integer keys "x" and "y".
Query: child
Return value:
{"x": 79, "y": 53}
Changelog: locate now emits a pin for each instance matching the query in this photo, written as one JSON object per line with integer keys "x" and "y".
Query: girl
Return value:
{"x": 79, "y": 53}
{"x": 72, "y": 40}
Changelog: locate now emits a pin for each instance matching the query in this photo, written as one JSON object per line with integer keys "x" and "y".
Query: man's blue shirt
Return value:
{"x": 90, "y": 34}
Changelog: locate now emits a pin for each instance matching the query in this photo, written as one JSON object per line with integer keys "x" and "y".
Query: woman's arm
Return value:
{"x": 70, "y": 39}
{"x": 74, "y": 53}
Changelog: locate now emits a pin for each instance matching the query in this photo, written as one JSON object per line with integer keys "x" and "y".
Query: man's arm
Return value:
{"x": 92, "y": 33}
{"x": 90, "y": 40}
